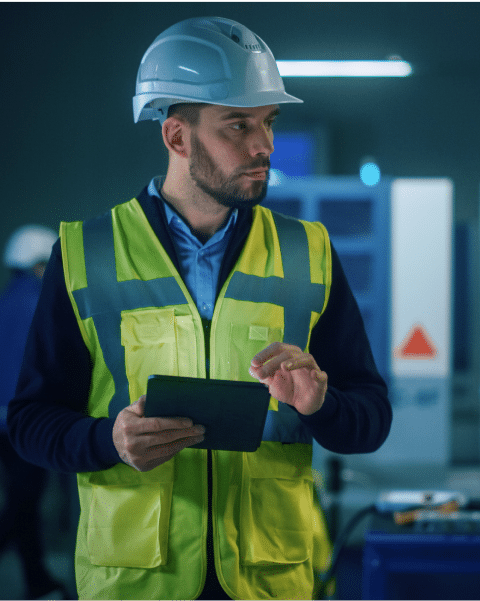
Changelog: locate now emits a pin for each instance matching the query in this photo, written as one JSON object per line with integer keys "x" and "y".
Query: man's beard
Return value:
{"x": 225, "y": 190}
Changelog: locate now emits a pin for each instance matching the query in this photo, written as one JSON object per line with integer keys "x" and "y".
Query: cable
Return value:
{"x": 340, "y": 543}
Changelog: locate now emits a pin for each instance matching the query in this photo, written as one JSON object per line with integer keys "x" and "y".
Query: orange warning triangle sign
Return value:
{"x": 417, "y": 345}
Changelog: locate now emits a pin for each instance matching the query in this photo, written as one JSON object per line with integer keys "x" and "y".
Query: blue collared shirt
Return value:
{"x": 200, "y": 263}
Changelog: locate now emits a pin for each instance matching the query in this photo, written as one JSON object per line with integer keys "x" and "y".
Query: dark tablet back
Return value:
{"x": 233, "y": 413}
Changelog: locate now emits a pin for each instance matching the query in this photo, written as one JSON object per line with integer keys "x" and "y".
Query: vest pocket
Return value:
{"x": 276, "y": 506}
{"x": 129, "y": 517}
{"x": 245, "y": 342}
{"x": 149, "y": 340}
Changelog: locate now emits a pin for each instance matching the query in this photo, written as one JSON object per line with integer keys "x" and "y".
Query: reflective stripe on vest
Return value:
{"x": 105, "y": 298}
{"x": 285, "y": 291}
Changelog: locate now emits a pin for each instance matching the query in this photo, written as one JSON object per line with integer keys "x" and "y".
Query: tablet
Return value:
{"x": 233, "y": 413}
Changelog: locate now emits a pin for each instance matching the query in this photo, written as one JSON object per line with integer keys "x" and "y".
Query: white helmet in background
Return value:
{"x": 29, "y": 245}
{"x": 207, "y": 60}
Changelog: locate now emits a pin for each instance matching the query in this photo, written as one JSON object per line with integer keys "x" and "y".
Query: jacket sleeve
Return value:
{"x": 356, "y": 415}
{"x": 47, "y": 419}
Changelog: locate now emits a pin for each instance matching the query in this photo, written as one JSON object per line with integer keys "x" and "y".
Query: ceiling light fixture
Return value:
{"x": 384, "y": 68}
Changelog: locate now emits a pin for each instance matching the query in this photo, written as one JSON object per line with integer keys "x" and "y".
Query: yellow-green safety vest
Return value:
{"x": 143, "y": 535}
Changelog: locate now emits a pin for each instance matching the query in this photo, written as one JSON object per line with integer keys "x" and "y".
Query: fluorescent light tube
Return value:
{"x": 386, "y": 68}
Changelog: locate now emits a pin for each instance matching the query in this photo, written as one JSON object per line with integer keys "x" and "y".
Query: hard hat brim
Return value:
{"x": 141, "y": 113}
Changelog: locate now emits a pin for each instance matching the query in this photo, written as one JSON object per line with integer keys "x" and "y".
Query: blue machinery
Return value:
{"x": 395, "y": 243}
{"x": 356, "y": 218}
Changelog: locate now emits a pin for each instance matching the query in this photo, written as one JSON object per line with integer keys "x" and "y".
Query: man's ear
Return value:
{"x": 174, "y": 136}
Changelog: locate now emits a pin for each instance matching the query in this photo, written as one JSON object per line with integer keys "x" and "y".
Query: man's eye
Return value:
{"x": 238, "y": 126}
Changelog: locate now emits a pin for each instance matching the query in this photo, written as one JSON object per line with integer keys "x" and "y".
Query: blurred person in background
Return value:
{"x": 26, "y": 255}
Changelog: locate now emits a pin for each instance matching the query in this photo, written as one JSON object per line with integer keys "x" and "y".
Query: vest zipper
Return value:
{"x": 207, "y": 325}
{"x": 211, "y": 573}
{"x": 210, "y": 557}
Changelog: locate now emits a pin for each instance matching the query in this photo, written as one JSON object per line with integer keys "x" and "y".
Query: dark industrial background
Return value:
{"x": 70, "y": 147}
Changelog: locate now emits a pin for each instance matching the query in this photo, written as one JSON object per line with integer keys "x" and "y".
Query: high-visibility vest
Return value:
{"x": 143, "y": 535}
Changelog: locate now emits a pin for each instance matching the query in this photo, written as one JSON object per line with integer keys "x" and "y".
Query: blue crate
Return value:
{"x": 420, "y": 566}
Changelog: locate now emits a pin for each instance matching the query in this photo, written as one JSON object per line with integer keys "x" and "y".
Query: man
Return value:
{"x": 195, "y": 278}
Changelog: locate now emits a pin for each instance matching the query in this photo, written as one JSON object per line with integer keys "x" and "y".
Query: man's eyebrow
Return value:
{"x": 242, "y": 115}
{"x": 236, "y": 115}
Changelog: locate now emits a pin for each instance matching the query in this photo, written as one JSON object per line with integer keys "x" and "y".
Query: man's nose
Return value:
{"x": 262, "y": 142}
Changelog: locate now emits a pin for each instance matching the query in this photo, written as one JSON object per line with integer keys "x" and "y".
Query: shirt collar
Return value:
{"x": 180, "y": 224}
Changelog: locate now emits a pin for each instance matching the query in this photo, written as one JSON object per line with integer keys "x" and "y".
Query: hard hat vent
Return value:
{"x": 246, "y": 39}
{"x": 239, "y": 34}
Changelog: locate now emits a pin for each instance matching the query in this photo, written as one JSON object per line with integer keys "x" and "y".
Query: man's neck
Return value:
{"x": 204, "y": 215}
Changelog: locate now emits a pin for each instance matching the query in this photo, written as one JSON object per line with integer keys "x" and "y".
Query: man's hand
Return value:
{"x": 146, "y": 442}
{"x": 292, "y": 376}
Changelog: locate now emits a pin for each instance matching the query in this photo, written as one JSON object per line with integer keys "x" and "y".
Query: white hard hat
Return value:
{"x": 207, "y": 60}
{"x": 29, "y": 245}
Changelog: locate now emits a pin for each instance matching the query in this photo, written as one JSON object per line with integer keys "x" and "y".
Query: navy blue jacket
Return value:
{"x": 47, "y": 418}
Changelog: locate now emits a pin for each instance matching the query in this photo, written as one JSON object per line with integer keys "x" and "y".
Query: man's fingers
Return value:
{"x": 147, "y": 458}
{"x": 154, "y": 456}
{"x": 173, "y": 447}
{"x": 298, "y": 361}
{"x": 319, "y": 375}
{"x": 153, "y": 439}
{"x": 150, "y": 425}
{"x": 288, "y": 359}
{"x": 268, "y": 353}
{"x": 155, "y": 424}
{"x": 270, "y": 366}
{"x": 146, "y": 451}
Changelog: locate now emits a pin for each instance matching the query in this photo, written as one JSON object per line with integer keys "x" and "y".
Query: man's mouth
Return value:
{"x": 257, "y": 174}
